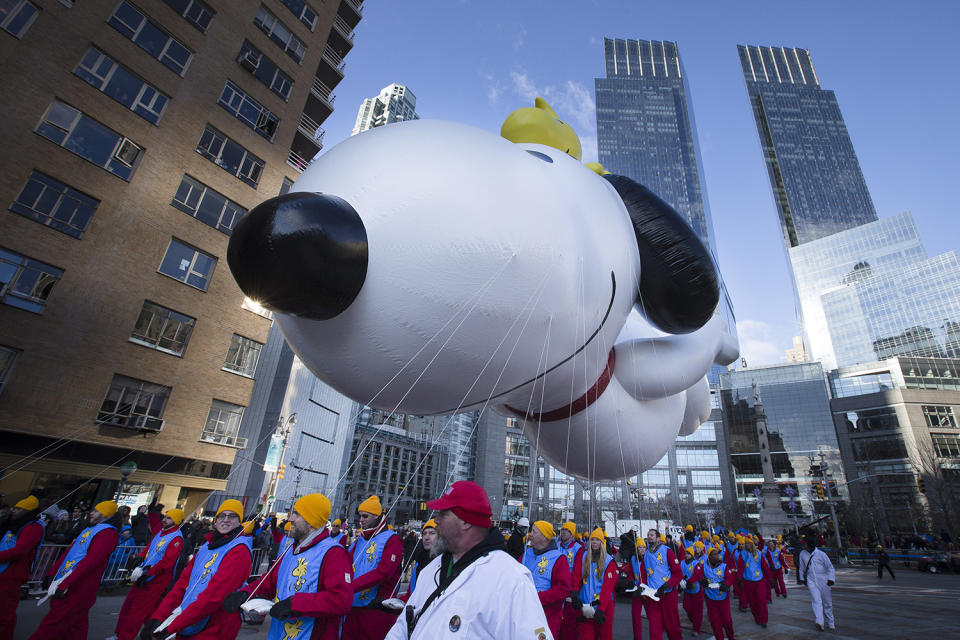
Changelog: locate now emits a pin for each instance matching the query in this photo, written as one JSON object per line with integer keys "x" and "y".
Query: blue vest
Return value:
{"x": 773, "y": 559}
{"x": 732, "y": 549}
{"x": 593, "y": 585}
{"x": 10, "y": 540}
{"x": 688, "y": 569}
{"x": 752, "y": 569}
{"x": 366, "y": 557}
{"x": 714, "y": 574}
{"x": 635, "y": 563}
{"x": 299, "y": 573}
{"x": 413, "y": 576}
{"x": 570, "y": 552}
{"x": 205, "y": 564}
{"x": 658, "y": 571}
{"x": 158, "y": 547}
{"x": 80, "y": 547}
{"x": 541, "y": 566}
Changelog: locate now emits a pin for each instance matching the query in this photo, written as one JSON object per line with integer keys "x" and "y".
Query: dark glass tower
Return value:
{"x": 816, "y": 179}
{"x": 646, "y": 129}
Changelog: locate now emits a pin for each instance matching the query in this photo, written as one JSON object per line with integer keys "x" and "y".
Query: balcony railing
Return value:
{"x": 343, "y": 28}
{"x": 336, "y": 61}
{"x": 322, "y": 92}
{"x": 310, "y": 128}
{"x": 356, "y": 4}
{"x": 297, "y": 161}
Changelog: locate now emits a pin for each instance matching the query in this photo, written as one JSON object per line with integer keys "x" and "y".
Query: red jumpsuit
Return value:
{"x": 568, "y": 627}
{"x": 142, "y": 601}
{"x": 552, "y": 599}
{"x": 693, "y": 602}
{"x": 589, "y": 629}
{"x": 20, "y": 558}
{"x": 636, "y": 602}
{"x": 718, "y": 611}
{"x": 367, "y": 623}
{"x": 327, "y": 601}
{"x": 776, "y": 575}
{"x": 665, "y": 614}
{"x": 231, "y": 574}
{"x": 68, "y": 618}
{"x": 755, "y": 591}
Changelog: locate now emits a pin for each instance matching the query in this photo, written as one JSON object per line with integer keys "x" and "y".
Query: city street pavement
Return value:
{"x": 914, "y": 606}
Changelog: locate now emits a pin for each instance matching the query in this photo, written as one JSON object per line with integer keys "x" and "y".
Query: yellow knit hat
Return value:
{"x": 287, "y": 525}
{"x": 689, "y": 527}
{"x": 231, "y": 505}
{"x": 715, "y": 539}
{"x": 689, "y": 550}
{"x": 663, "y": 538}
{"x": 642, "y": 542}
{"x": 705, "y": 534}
{"x": 108, "y": 508}
{"x": 176, "y": 515}
{"x": 598, "y": 534}
{"x": 371, "y": 505}
{"x": 248, "y": 527}
{"x": 337, "y": 522}
{"x": 698, "y": 544}
{"x": 28, "y": 504}
{"x": 546, "y": 529}
{"x": 314, "y": 508}
{"x": 570, "y": 526}
{"x": 430, "y": 524}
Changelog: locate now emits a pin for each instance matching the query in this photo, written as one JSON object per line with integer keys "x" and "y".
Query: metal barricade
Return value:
{"x": 47, "y": 557}
{"x": 116, "y": 571}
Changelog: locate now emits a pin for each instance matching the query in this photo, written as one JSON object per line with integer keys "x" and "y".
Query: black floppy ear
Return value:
{"x": 679, "y": 286}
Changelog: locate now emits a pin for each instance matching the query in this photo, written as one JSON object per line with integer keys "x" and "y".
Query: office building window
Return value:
{"x": 280, "y": 34}
{"x": 90, "y": 140}
{"x": 197, "y": 13}
{"x": 223, "y": 424}
{"x": 242, "y": 356}
{"x": 286, "y": 186}
{"x": 134, "y": 403}
{"x": 879, "y": 448}
{"x": 939, "y": 417}
{"x": 265, "y": 70}
{"x": 946, "y": 445}
{"x": 882, "y": 419}
{"x": 26, "y": 283}
{"x": 151, "y": 38}
{"x": 187, "y": 264}
{"x": 54, "y": 204}
{"x": 206, "y": 205}
{"x": 302, "y": 12}
{"x": 248, "y": 111}
{"x": 230, "y": 156}
{"x": 162, "y": 329}
{"x": 16, "y": 16}
{"x": 255, "y": 307}
{"x": 107, "y": 75}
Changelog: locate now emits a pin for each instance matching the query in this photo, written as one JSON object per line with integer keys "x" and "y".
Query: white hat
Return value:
{"x": 523, "y": 522}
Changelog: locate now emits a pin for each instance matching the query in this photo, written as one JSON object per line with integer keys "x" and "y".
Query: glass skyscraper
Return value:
{"x": 814, "y": 173}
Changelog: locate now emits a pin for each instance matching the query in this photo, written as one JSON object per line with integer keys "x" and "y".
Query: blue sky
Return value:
{"x": 893, "y": 66}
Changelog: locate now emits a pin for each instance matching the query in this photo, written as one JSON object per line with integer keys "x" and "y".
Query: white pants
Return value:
{"x": 822, "y": 603}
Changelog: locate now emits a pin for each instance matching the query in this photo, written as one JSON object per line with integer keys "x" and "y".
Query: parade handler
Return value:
{"x": 19, "y": 541}
{"x": 219, "y": 567}
{"x": 78, "y": 578}
{"x": 551, "y": 573}
{"x": 474, "y": 589}
{"x": 573, "y": 551}
{"x": 377, "y": 565}
{"x": 311, "y": 583}
{"x": 816, "y": 571}
{"x": 754, "y": 574}
{"x": 717, "y": 583}
{"x": 692, "y": 590}
{"x": 153, "y": 571}
{"x": 663, "y": 574}
{"x": 597, "y": 597}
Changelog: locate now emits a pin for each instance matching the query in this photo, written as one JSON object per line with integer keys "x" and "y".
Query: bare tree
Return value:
{"x": 940, "y": 482}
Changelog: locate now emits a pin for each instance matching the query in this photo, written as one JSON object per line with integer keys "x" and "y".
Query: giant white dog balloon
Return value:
{"x": 430, "y": 267}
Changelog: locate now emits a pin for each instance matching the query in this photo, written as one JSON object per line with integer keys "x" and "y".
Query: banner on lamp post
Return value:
{"x": 272, "y": 462}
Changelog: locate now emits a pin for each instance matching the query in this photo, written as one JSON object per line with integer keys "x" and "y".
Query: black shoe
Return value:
{"x": 763, "y": 624}
{"x": 819, "y": 627}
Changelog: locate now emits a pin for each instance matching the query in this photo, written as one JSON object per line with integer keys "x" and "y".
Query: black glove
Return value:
{"x": 575, "y": 601}
{"x": 142, "y": 580}
{"x": 599, "y": 616}
{"x": 133, "y": 562}
{"x": 662, "y": 590}
{"x": 704, "y": 583}
{"x": 724, "y": 587}
{"x": 233, "y": 601}
{"x": 59, "y": 594}
{"x": 786, "y": 570}
{"x": 595, "y": 604}
{"x": 284, "y": 609}
{"x": 830, "y": 583}
{"x": 147, "y": 632}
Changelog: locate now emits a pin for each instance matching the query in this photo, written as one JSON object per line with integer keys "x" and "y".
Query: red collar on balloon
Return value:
{"x": 577, "y": 405}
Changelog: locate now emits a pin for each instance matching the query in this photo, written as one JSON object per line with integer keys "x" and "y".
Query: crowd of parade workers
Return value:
{"x": 465, "y": 576}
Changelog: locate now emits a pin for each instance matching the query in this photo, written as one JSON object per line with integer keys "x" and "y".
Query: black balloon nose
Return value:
{"x": 302, "y": 254}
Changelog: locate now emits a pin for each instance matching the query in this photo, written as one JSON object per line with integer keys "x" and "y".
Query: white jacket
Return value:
{"x": 493, "y": 599}
{"x": 820, "y": 568}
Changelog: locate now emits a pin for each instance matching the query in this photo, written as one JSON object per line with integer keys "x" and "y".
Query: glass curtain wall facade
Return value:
{"x": 816, "y": 179}
{"x": 799, "y": 427}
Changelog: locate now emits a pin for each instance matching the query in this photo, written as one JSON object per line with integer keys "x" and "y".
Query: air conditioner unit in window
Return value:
{"x": 249, "y": 60}
{"x": 241, "y": 443}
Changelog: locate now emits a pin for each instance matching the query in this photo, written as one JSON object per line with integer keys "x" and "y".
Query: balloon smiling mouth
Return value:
{"x": 613, "y": 295}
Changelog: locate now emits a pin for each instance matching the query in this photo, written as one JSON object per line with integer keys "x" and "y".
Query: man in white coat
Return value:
{"x": 816, "y": 571}
{"x": 473, "y": 589}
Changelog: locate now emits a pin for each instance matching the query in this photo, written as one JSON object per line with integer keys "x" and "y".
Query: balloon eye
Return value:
{"x": 540, "y": 156}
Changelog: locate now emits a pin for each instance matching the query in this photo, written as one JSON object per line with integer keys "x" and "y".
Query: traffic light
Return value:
{"x": 281, "y": 471}
{"x": 820, "y": 490}
{"x": 920, "y": 485}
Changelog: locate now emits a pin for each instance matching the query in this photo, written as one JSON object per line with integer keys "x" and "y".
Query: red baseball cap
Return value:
{"x": 468, "y": 501}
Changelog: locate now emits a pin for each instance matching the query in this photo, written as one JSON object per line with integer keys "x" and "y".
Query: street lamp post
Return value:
{"x": 824, "y": 468}
{"x": 283, "y": 429}
{"x": 126, "y": 469}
